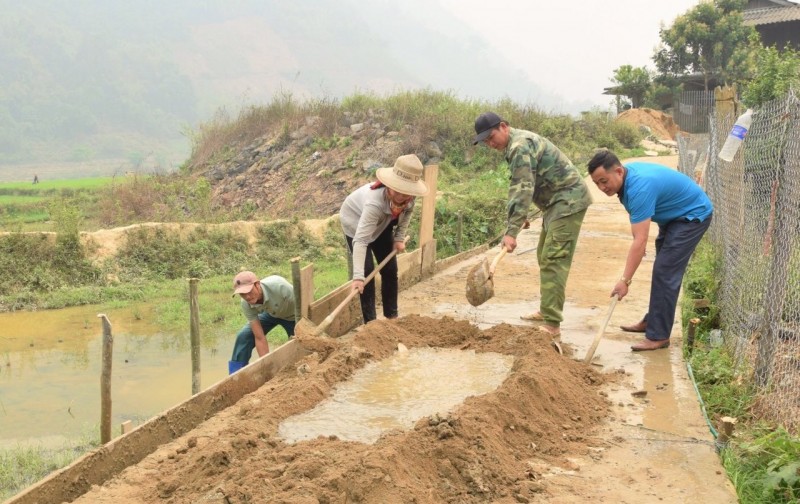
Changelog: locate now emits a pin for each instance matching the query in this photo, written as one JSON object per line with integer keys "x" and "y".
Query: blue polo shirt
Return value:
{"x": 653, "y": 191}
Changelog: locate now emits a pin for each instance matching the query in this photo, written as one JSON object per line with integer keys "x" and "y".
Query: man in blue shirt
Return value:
{"x": 652, "y": 192}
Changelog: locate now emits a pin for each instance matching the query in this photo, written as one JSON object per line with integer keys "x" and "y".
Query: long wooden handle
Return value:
{"x": 599, "y": 335}
{"x": 496, "y": 260}
{"x": 325, "y": 323}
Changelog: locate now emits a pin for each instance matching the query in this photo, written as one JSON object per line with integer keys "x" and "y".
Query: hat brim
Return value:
{"x": 480, "y": 137}
{"x": 243, "y": 289}
{"x": 385, "y": 175}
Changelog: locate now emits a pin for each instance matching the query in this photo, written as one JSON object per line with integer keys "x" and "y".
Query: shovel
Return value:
{"x": 599, "y": 335}
{"x": 480, "y": 283}
{"x": 307, "y": 328}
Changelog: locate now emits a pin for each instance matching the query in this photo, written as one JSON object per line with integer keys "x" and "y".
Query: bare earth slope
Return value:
{"x": 556, "y": 430}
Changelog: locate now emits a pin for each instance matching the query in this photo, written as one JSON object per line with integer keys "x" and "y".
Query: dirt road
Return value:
{"x": 655, "y": 449}
{"x": 555, "y": 431}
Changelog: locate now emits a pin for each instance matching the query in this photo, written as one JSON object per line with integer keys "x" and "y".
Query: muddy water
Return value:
{"x": 50, "y": 364}
{"x": 396, "y": 392}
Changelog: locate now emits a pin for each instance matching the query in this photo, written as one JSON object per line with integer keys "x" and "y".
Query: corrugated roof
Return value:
{"x": 757, "y": 17}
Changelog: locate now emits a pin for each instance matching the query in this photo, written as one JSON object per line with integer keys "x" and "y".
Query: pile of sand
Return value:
{"x": 491, "y": 448}
{"x": 660, "y": 124}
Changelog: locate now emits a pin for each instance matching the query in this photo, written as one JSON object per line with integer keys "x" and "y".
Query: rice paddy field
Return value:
{"x": 24, "y": 206}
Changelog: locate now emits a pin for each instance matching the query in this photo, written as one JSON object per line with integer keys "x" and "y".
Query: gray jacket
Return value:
{"x": 364, "y": 215}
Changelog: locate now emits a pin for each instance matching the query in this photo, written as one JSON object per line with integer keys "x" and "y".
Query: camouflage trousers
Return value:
{"x": 556, "y": 248}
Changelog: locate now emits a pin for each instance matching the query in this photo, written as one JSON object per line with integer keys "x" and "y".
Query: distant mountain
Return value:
{"x": 90, "y": 79}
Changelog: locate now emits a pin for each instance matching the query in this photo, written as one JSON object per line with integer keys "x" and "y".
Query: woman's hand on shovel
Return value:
{"x": 358, "y": 285}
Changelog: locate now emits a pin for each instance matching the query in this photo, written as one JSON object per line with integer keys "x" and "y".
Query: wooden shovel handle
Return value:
{"x": 599, "y": 335}
{"x": 496, "y": 260}
{"x": 325, "y": 323}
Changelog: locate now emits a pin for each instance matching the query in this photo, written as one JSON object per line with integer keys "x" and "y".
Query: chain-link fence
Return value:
{"x": 755, "y": 232}
{"x": 692, "y": 110}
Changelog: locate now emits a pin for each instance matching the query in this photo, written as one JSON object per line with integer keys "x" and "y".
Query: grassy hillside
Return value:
{"x": 287, "y": 160}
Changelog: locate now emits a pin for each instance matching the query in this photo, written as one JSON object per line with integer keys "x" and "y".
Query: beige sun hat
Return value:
{"x": 405, "y": 176}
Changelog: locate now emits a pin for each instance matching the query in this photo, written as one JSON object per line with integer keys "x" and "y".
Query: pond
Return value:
{"x": 50, "y": 366}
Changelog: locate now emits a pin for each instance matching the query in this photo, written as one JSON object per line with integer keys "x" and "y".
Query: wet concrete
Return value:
{"x": 396, "y": 392}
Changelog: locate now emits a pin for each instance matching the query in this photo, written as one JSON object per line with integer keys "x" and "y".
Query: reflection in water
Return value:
{"x": 50, "y": 365}
{"x": 395, "y": 392}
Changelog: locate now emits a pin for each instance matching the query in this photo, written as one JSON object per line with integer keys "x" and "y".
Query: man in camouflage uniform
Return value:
{"x": 540, "y": 174}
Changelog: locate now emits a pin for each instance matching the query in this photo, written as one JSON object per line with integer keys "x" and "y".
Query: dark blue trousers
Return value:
{"x": 675, "y": 245}
{"x": 380, "y": 248}
{"x": 245, "y": 341}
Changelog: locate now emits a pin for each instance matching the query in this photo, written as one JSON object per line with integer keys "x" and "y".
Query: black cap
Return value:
{"x": 484, "y": 125}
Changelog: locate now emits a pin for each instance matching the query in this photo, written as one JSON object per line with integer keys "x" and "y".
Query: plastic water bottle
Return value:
{"x": 736, "y": 136}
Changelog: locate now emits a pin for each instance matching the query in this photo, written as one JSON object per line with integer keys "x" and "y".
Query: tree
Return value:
{"x": 775, "y": 73}
{"x": 632, "y": 82}
{"x": 710, "y": 39}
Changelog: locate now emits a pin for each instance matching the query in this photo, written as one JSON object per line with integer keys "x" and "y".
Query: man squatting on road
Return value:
{"x": 265, "y": 304}
{"x": 542, "y": 174}
{"x": 683, "y": 212}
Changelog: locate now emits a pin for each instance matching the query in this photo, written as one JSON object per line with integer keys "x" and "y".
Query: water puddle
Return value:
{"x": 50, "y": 366}
{"x": 396, "y": 392}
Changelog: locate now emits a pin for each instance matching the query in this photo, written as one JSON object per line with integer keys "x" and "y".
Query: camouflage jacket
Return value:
{"x": 541, "y": 174}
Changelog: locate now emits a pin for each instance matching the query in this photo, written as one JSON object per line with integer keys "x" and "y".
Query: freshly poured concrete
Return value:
{"x": 396, "y": 392}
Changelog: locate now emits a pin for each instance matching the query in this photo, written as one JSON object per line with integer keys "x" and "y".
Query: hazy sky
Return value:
{"x": 572, "y": 48}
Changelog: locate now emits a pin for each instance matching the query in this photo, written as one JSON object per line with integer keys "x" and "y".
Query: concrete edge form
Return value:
{"x": 445, "y": 263}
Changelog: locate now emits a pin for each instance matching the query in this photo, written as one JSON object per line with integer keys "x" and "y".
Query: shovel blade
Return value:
{"x": 305, "y": 328}
{"x": 480, "y": 287}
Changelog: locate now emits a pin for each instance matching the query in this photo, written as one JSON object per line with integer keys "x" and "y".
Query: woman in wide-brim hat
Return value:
{"x": 375, "y": 218}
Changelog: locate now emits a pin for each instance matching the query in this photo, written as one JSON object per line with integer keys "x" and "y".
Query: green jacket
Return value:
{"x": 278, "y": 300}
{"x": 541, "y": 174}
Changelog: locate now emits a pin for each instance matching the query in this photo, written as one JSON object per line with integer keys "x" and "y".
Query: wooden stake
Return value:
{"x": 459, "y": 230}
{"x": 690, "y": 336}
{"x": 297, "y": 287}
{"x": 431, "y": 176}
{"x": 725, "y": 430}
{"x": 105, "y": 381}
{"x": 194, "y": 333}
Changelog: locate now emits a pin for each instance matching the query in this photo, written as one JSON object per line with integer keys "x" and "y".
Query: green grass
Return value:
{"x": 89, "y": 183}
{"x": 23, "y": 466}
{"x": 20, "y": 199}
{"x": 25, "y": 206}
{"x": 765, "y": 466}
{"x": 762, "y": 462}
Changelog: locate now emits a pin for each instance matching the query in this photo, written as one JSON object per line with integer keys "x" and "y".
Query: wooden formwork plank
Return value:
{"x": 445, "y": 263}
{"x": 347, "y": 318}
{"x": 306, "y": 290}
{"x": 431, "y": 176}
{"x": 408, "y": 269}
{"x": 428, "y": 260}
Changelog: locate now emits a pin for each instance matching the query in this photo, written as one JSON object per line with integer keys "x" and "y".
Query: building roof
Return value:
{"x": 770, "y": 15}
{"x": 757, "y": 4}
